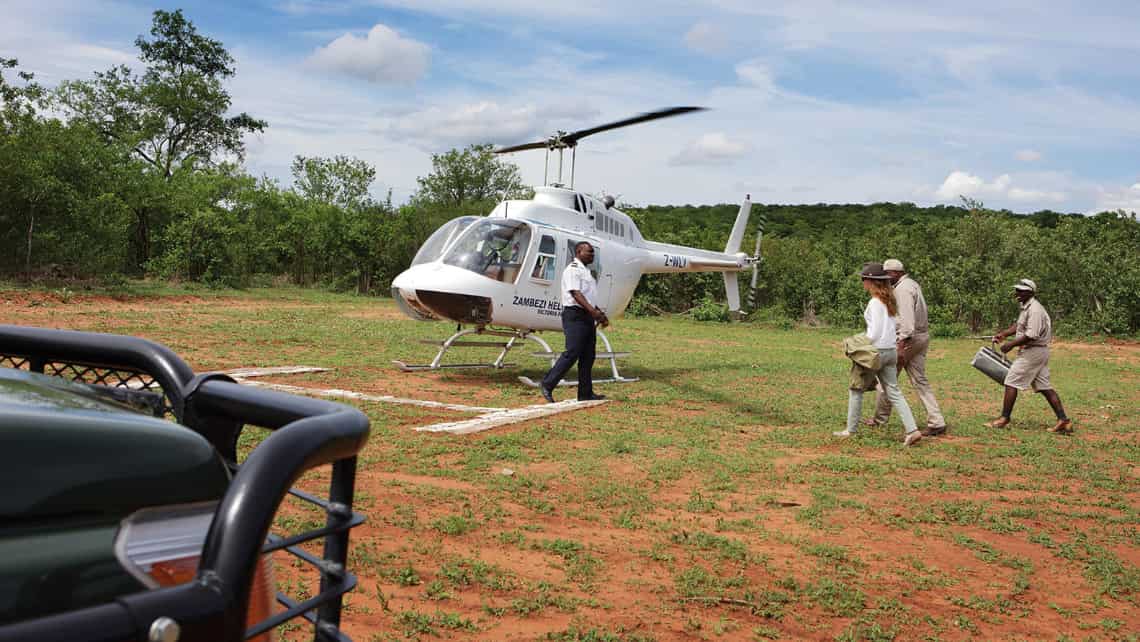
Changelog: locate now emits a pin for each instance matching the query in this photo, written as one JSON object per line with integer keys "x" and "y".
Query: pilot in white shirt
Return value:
{"x": 577, "y": 277}
{"x": 580, "y": 321}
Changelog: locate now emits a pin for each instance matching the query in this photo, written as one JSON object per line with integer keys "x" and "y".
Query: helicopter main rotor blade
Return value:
{"x": 573, "y": 137}
{"x": 542, "y": 144}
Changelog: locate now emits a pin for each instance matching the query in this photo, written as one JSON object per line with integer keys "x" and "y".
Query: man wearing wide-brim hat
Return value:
{"x": 1032, "y": 332}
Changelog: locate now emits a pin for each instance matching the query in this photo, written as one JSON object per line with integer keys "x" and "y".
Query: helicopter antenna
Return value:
{"x": 562, "y": 141}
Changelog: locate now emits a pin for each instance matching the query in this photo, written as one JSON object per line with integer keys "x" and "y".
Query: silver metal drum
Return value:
{"x": 992, "y": 363}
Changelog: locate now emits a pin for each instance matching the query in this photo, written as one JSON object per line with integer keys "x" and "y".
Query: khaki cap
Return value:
{"x": 1026, "y": 284}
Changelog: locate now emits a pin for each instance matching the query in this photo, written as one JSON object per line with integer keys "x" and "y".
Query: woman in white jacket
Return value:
{"x": 880, "y": 316}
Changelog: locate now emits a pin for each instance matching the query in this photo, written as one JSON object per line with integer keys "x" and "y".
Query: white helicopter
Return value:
{"x": 500, "y": 274}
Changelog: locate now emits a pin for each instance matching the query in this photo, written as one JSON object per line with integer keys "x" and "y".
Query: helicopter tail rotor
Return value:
{"x": 753, "y": 298}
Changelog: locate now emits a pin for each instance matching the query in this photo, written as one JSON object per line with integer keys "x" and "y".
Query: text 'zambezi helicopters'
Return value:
{"x": 500, "y": 274}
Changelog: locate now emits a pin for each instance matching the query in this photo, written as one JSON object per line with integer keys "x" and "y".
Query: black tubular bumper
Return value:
{"x": 306, "y": 433}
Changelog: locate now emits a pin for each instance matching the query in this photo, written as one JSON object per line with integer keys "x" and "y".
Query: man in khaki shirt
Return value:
{"x": 1033, "y": 331}
{"x": 913, "y": 340}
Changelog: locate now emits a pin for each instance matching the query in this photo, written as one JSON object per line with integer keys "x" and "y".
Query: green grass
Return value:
{"x": 709, "y": 492}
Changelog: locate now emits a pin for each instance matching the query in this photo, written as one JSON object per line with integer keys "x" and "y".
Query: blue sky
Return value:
{"x": 1024, "y": 105}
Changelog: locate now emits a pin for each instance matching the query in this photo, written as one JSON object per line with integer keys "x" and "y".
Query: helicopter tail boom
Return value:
{"x": 665, "y": 258}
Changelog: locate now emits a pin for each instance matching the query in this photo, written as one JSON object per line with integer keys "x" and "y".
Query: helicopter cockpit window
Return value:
{"x": 544, "y": 265}
{"x": 440, "y": 239}
{"x": 492, "y": 247}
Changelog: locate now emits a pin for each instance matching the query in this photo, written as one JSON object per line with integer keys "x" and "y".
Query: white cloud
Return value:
{"x": 1028, "y": 155}
{"x": 436, "y": 129}
{"x": 972, "y": 62}
{"x": 755, "y": 73}
{"x": 381, "y": 56}
{"x": 1112, "y": 199}
{"x": 711, "y": 149}
{"x": 960, "y": 183}
{"x": 705, "y": 38}
{"x": 1035, "y": 196}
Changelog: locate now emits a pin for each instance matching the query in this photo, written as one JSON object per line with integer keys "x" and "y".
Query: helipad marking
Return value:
{"x": 489, "y": 417}
{"x": 505, "y": 417}
{"x": 245, "y": 373}
{"x": 348, "y": 394}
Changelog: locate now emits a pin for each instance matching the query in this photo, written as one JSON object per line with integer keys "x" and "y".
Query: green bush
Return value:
{"x": 709, "y": 310}
{"x": 641, "y": 306}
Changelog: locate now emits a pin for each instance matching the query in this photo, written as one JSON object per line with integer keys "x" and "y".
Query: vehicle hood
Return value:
{"x": 65, "y": 453}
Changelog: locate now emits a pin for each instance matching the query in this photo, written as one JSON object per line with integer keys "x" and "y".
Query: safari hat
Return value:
{"x": 1026, "y": 284}
{"x": 893, "y": 265}
{"x": 874, "y": 271}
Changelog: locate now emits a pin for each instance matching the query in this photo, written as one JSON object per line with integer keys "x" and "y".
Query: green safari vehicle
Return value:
{"x": 124, "y": 514}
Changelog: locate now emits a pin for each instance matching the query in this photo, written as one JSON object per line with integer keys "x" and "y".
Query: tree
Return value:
{"x": 17, "y": 103}
{"x": 174, "y": 116}
{"x": 175, "y": 113}
{"x": 341, "y": 181}
{"x": 56, "y": 184}
{"x": 462, "y": 178}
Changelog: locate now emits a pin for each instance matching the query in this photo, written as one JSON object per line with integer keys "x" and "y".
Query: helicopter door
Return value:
{"x": 545, "y": 264}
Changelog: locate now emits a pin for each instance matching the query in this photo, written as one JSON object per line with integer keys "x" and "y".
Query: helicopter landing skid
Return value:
{"x": 608, "y": 355}
{"x": 454, "y": 342}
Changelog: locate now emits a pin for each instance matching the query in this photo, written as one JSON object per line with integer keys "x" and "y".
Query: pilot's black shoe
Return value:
{"x": 594, "y": 397}
{"x": 547, "y": 393}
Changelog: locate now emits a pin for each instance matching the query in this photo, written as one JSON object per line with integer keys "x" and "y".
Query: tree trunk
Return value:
{"x": 142, "y": 238}
{"x": 299, "y": 263}
{"x": 28, "y": 255}
{"x": 364, "y": 281}
{"x": 809, "y": 318}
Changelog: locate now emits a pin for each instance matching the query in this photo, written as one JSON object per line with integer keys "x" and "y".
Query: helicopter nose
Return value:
{"x": 410, "y": 306}
{"x": 419, "y": 292}
{"x": 461, "y": 308}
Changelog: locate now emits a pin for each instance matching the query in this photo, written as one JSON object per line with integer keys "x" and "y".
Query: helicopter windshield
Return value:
{"x": 434, "y": 246}
{"x": 492, "y": 247}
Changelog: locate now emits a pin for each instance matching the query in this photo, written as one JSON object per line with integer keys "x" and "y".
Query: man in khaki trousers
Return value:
{"x": 913, "y": 337}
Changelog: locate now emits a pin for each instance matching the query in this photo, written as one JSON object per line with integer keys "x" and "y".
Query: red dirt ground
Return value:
{"x": 916, "y": 582}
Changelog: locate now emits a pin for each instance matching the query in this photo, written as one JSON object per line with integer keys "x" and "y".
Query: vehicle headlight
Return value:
{"x": 161, "y": 547}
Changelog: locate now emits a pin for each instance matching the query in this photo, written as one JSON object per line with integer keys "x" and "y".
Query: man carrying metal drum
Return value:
{"x": 1032, "y": 332}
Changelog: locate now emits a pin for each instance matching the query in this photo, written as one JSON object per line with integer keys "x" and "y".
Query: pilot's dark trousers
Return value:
{"x": 581, "y": 335}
